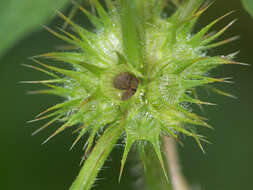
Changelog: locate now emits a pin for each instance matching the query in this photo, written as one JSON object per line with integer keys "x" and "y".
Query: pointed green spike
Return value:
{"x": 93, "y": 19}
{"x": 142, "y": 153}
{"x": 63, "y": 127}
{"x": 91, "y": 138}
{"x": 187, "y": 98}
{"x": 188, "y": 113}
{"x": 62, "y": 90}
{"x": 102, "y": 13}
{"x": 187, "y": 117}
{"x": 71, "y": 121}
{"x": 182, "y": 130}
{"x": 195, "y": 95}
{"x": 46, "y": 116}
{"x": 201, "y": 10}
{"x": 188, "y": 133}
{"x": 82, "y": 78}
{"x": 45, "y": 81}
{"x": 72, "y": 13}
{"x": 110, "y": 5}
{"x": 46, "y": 125}
{"x": 205, "y": 65}
{"x": 83, "y": 33}
{"x": 194, "y": 81}
{"x": 62, "y": 37}
{"x": 68, "y": 103}
{"x": 202, "y": 138}
{"x": 199, "y": 144}
{"x": 184, "y": 64}
{"x": 157, "y": 149}
{"x": 86, "y": 35}
{"x": 76, "y": 58}
{"x": 87, "y": 45}
{"x": 195, "y": 122}
{"x": 81, "y": 133}
{"x": 222, "y": 92}
{"x": 42, "y": 70}
{"x": 213, "y": 37}
{"x": 129, "y": 143}
{"x": 197, "y": 38}
{"x": 223, "y": 42}
{"x": 63, "y": 93}
{"x": 170, "y": 133}
{"x": 69, "y": 35}
{"x": 189, "y": 9}
{"x": 188, "y": 27}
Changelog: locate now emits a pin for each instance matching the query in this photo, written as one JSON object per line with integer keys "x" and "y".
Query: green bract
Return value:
{"x": 131, "y": 38}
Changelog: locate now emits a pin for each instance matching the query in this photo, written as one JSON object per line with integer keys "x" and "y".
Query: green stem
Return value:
{"x": 96, "y": 159}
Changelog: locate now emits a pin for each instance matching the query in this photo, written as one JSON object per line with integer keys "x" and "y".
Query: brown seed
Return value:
{"x": 122, "y": 81}
{"x": 134, "y": 83}
{"x": 127, "y": 82}
{"x": 127, "y": 94}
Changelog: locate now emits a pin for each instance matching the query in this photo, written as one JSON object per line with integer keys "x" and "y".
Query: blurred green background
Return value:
{"x": 27, "y": 165}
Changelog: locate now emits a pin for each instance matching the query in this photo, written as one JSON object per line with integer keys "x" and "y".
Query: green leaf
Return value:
{"x": 20, "y": 17}
{"x": 248, "y": 5}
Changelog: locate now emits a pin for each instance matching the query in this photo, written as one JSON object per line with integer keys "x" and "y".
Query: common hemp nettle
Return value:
{"x": 133, "y": 75}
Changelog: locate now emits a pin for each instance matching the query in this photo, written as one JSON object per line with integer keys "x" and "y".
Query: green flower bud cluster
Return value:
{"x": 135, "y": 71}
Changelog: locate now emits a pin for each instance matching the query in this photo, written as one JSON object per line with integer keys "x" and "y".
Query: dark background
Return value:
{"x": 227, "y": 165}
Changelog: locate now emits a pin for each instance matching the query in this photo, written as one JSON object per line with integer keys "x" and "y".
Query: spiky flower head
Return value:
{"x": 134, "y": 71}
